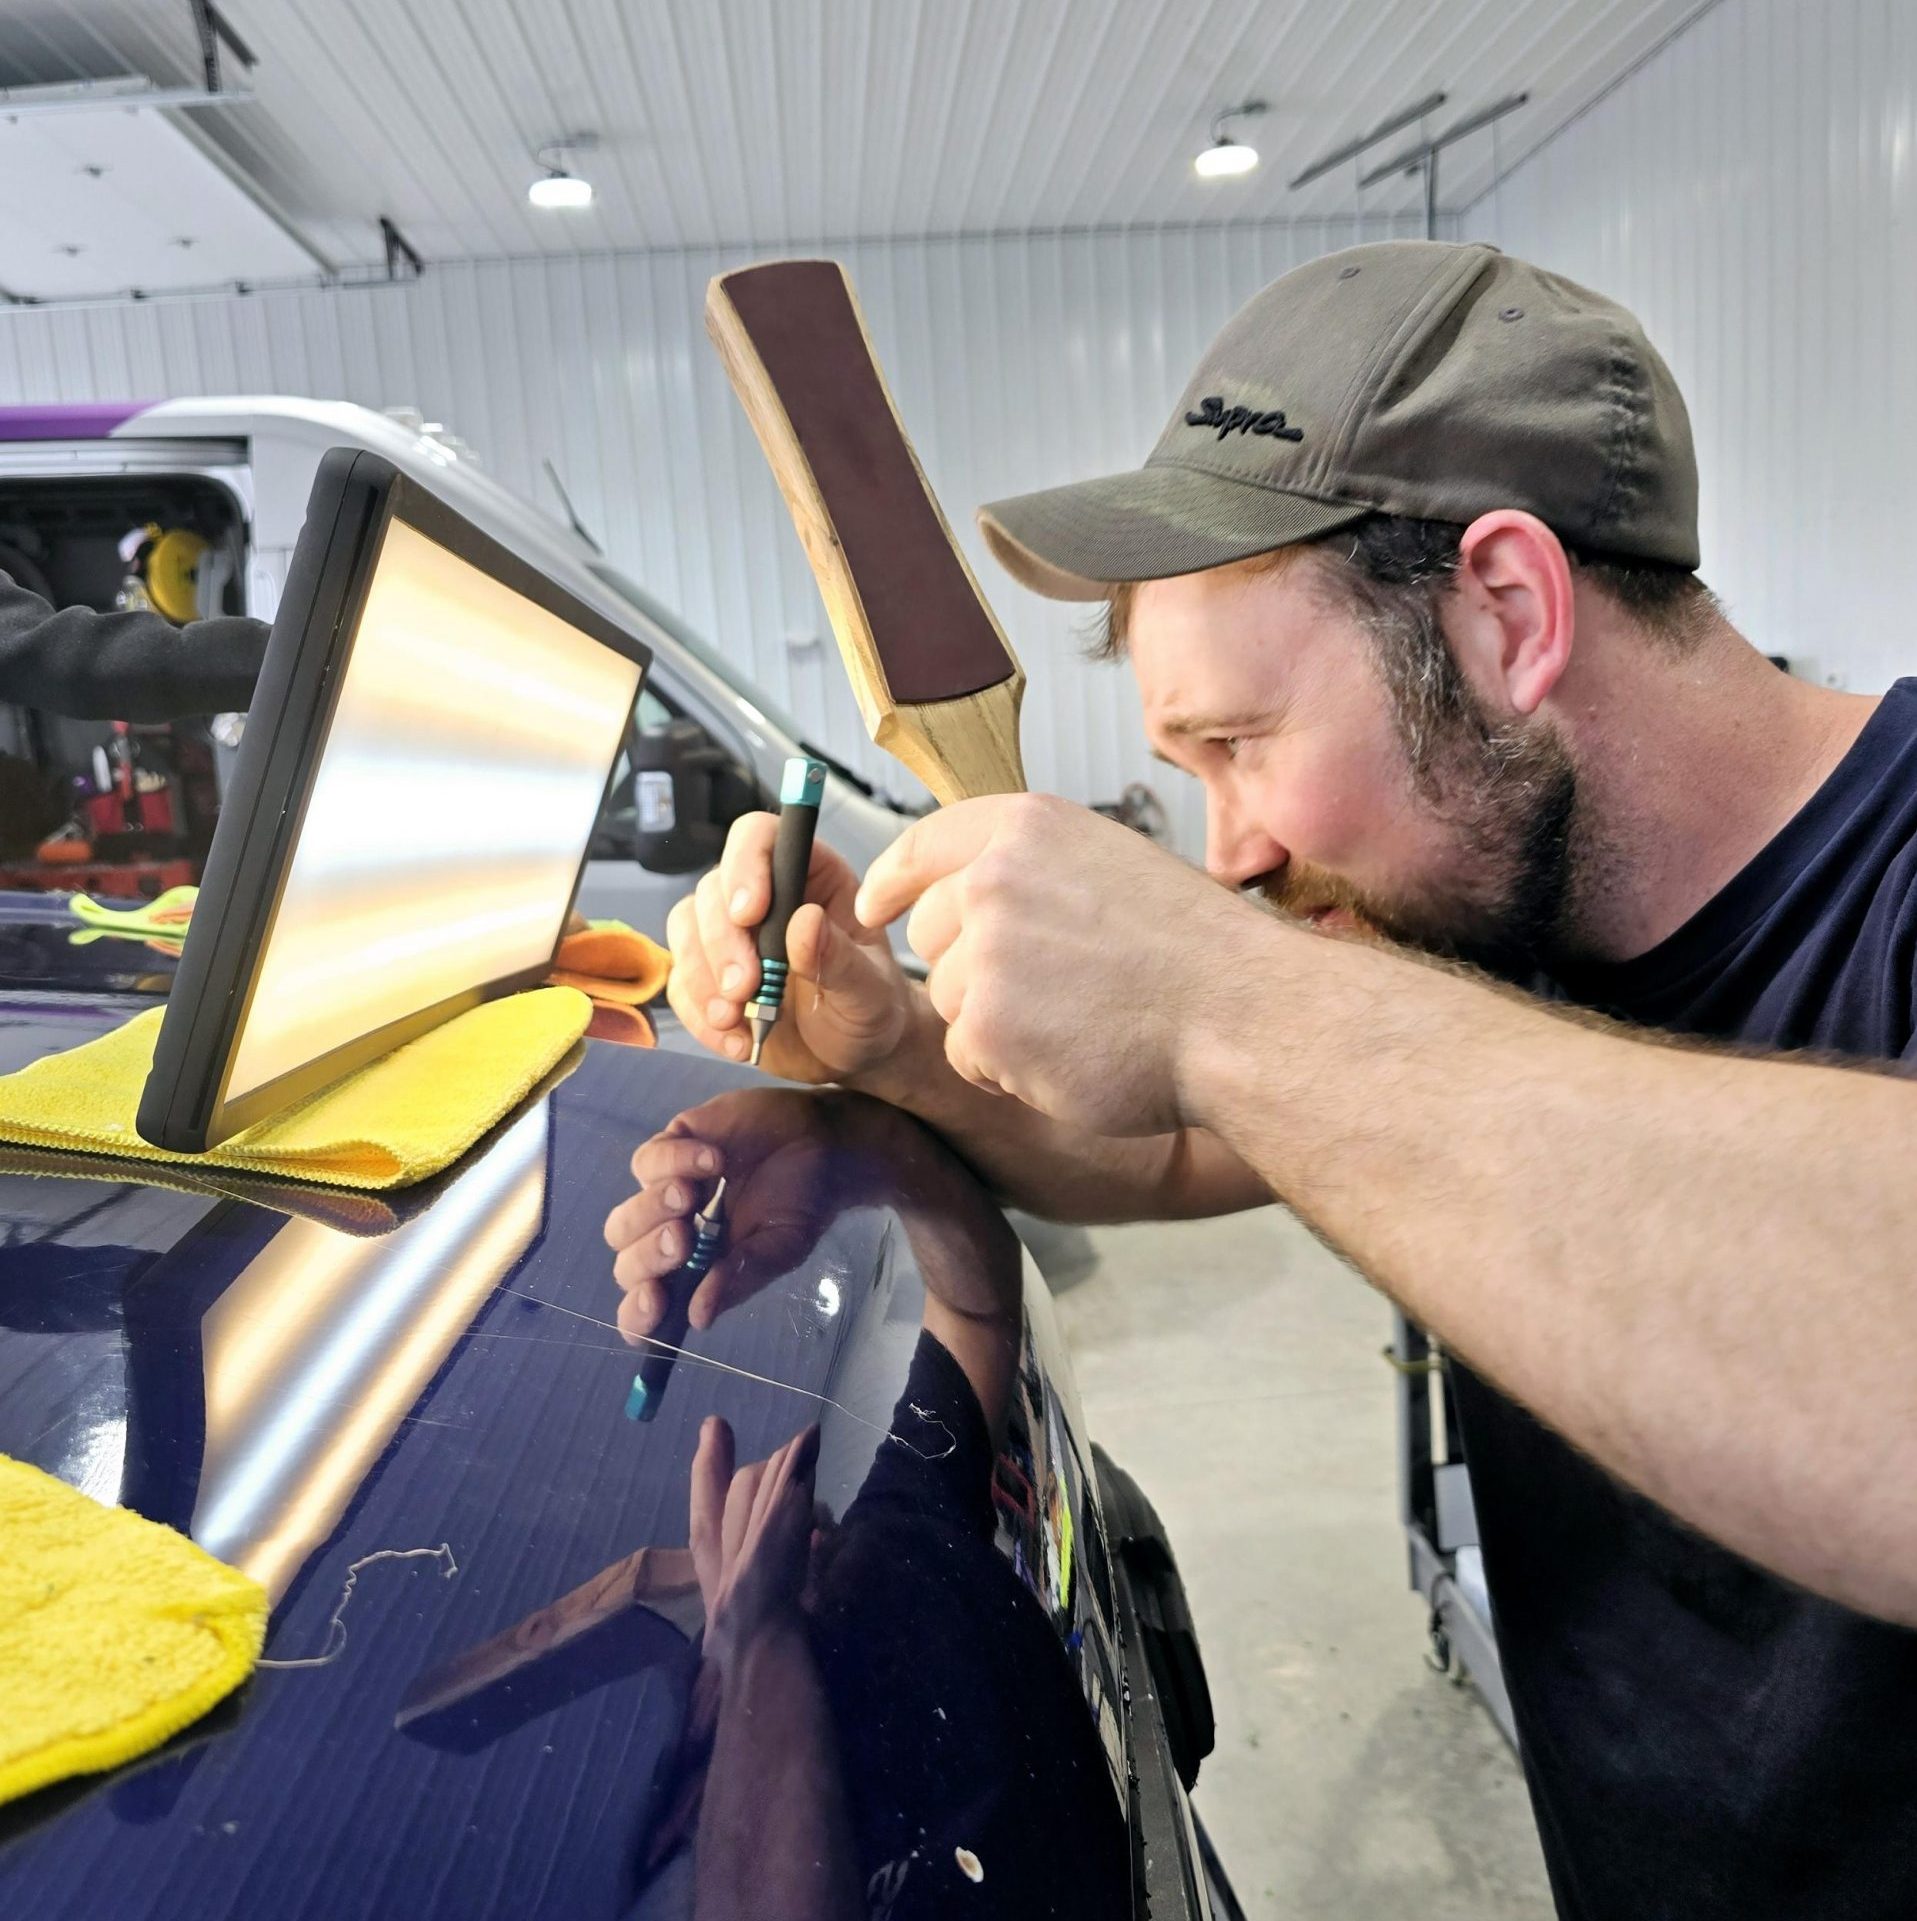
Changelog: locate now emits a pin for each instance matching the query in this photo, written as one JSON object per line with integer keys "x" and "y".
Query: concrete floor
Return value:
{"x": 1233, "y": 1367}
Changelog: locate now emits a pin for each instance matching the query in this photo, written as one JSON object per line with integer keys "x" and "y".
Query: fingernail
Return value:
{"x": 858, "y": 903}
{"x": 708, "y": 1160}
{"x": 718, "y": 1010}
{"x": 669, "y": 1242}
{"x": 738, "y": 1046}
{"x": 741, "y": 900}
{"x": 733, "y": 978}
{"x": 675, "y": 1195}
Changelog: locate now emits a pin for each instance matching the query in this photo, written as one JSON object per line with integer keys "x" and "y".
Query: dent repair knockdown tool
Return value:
{"x": 937, "y": 684}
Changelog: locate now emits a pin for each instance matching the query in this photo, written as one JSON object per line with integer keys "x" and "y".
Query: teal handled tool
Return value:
{"x": 799, "y": 795}
{"x": 649, "y": 1384}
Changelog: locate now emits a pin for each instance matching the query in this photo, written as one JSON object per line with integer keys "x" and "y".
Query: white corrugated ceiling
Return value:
{"x": 772, "y": 121}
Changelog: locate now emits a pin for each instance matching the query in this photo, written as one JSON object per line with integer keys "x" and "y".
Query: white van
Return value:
{"x": 237, "y": 471}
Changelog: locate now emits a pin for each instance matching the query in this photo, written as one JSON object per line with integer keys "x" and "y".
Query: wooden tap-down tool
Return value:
{"x": 936, "y": 681}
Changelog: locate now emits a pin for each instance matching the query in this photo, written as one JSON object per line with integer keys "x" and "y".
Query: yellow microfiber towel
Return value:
{"x": 115, "y": 1632}
{"x": 391, "y": 1123}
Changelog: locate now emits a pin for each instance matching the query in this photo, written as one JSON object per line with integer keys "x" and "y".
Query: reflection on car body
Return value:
{"x": 536, "y": 1720}
{"x": 920, "y": 1668}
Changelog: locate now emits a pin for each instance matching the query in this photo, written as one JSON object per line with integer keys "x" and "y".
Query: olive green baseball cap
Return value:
{"x": 1413, "y": 377}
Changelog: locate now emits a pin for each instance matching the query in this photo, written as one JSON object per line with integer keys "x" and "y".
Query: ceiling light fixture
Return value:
{"x": 1226, "y": 156}
{"x": 559, "y": 186}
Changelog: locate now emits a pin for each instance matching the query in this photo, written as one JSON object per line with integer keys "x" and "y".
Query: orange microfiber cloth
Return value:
{"x": 619, "y": 970}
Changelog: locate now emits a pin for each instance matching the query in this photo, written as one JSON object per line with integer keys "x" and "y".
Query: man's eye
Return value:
{"x": 1231, "y": 743}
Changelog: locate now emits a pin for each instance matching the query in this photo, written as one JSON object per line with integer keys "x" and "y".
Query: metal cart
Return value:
{"x": 1441, "y": 1523}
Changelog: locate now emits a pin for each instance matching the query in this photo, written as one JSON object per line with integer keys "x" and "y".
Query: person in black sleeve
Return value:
{"x": 133, "y": 666}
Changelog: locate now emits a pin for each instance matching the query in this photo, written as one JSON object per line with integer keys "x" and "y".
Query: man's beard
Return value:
{"x": 1507, "y": 792}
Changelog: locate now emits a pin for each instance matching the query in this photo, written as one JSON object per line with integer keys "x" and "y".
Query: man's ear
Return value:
{"x": 1514, "y": 613}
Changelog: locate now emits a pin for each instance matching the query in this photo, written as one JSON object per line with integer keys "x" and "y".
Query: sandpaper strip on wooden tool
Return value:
{"x": 936, "y": 681}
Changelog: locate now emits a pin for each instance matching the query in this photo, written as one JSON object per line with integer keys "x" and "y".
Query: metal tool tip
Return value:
{"x": 758, "y": 1048}
{"x": 707, "y": 1217}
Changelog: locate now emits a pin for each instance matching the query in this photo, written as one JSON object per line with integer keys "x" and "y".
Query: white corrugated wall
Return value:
{"x": 1017, "y": 362}
{"x": 1751, "y": 193}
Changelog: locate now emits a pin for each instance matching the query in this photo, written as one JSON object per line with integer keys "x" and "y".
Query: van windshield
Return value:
{"x": 709, "y": 657}
{"x": 701, "y": 649}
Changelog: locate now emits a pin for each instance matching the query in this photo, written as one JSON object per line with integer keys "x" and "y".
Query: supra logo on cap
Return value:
{"x": 1212, "y": 412}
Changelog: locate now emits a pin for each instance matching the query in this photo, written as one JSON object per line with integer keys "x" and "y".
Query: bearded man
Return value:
{"x": 1409, "y": 584}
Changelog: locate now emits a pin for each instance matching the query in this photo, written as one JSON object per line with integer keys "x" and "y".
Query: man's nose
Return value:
{"x": 1238, "y": 849}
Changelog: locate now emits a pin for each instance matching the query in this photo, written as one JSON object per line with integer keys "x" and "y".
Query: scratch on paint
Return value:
{"x": 764, "y": 1380}
{"x": 336, "y": 1627}
{"x": 930, "y": 1419}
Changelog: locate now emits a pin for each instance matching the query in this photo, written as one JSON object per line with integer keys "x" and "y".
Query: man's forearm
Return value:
{"x": 1062, "y": 1173}
{"x": 1695, "y": 1266}
{"x": 774, "y": 1836}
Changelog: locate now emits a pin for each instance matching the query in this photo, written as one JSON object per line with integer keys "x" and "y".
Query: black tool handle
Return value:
{"x": 791, "y": 861}
{"x": 649, "y": 1384}
{"x": 655, "y": 1367}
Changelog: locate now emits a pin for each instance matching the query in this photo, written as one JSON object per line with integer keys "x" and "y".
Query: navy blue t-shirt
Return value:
{"x": 1701, "y": 1738}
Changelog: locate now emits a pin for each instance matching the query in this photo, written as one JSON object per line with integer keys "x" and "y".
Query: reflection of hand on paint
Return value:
{"x": 773, "y": 1835}
{"x": 874, "y": 1688}
{"x": 793, "y": 1162}
{"x": 772, "y": 1152}
{"x": 751, "y": 1533}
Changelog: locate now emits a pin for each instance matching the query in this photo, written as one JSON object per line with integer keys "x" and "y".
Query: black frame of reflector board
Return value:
{"x": 356, "y": 494}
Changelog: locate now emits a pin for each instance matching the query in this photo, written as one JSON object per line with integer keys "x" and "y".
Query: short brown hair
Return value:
{"x": 1390, "y": 557}
{"x": 1392, "y": 573}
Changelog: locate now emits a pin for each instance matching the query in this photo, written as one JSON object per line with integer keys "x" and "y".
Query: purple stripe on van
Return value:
{"x": 90, "y": 420}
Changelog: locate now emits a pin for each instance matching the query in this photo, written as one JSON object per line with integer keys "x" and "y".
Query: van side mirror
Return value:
{"x": 687, "y": 790}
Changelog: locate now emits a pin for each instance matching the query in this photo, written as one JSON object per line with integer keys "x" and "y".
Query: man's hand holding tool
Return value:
{"x": 1043, "y": 926}
{"x": 846, "y": 1000}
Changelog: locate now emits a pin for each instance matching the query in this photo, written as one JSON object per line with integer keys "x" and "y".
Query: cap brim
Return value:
{"x": 1078, "y": 542}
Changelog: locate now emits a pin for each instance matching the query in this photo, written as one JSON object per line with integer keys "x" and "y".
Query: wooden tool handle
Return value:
{"x": 961, "y": 748}
{"x": 934, "y": 676}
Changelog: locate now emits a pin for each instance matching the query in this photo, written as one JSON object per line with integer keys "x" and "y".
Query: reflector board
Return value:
{"x": 428, "y": 750}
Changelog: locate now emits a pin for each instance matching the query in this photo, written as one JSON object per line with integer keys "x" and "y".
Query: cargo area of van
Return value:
{"x": 117, "y": 809}
{"x": 194, "y": 507}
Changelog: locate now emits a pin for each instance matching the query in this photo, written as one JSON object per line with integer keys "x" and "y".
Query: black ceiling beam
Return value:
{"x": 216, "y": 30}
{"x": 398, "y": 248}
{"x": 1410, "y": 159}
{"x": 1383, "y": 130}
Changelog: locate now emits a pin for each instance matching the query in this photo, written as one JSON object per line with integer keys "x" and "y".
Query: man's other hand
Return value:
{"x": 1073, "y": 961}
